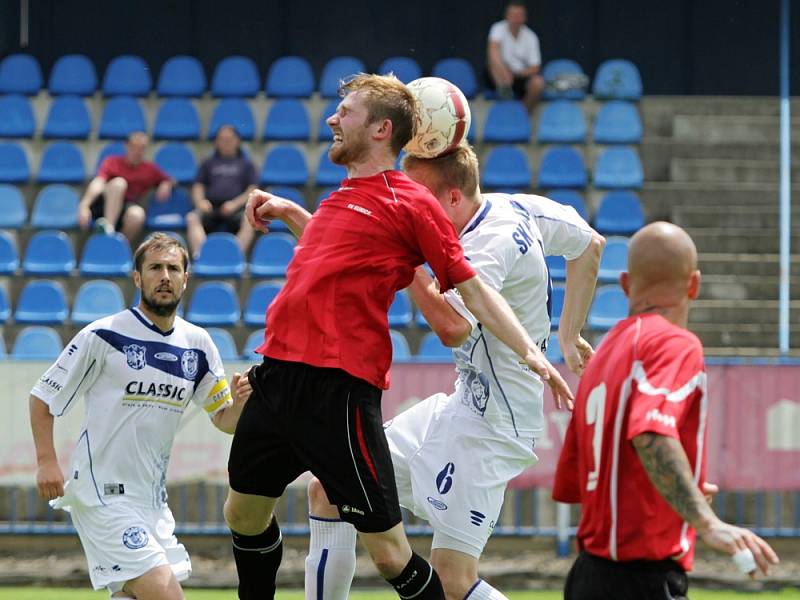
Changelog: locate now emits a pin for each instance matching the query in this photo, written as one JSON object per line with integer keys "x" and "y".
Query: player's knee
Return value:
{"x": 117, "y": 184}
{"x": 241, "y": 520}
{"x": 135, "y": 215}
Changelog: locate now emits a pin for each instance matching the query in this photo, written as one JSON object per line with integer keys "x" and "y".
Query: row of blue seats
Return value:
{"x": 507, "y": 121}
{"x": 504, "y": 166}
{"x": 289, "y": 76}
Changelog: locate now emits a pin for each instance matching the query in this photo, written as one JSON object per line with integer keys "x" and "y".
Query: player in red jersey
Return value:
{"x": 316, "y": 396}
{"x": 634, "y": 454}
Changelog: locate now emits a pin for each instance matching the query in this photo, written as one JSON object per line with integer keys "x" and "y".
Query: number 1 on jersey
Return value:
{"x": 595, "y": 410}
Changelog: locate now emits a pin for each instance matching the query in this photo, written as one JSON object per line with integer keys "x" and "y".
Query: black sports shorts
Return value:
{"x": 306, "y": 418}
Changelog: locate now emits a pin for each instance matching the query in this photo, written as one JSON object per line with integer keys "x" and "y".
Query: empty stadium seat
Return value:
{"x": 181, "y": 76}
{"x": 9, "y": 257}
{"x": 127, "y": 75}
{"x": 177, "y": 161}
{"x": 614, "y": 260}
{"x": 223, "y": 340}
{"x": 110, "y": 149}
{"x": 67, "y": 118}
{"x": 609, "y": 307}
{"x": 121, "y": 116}
{"x": 328, "y": 173}
{"x": 290, "y": 77}
{"x": 271, "y": 255}
{"x": 14, "y": 213}
{"x": 431, "y": 349}
{"x": 404, "y": 68}
{"x": 459, "y": 72}
{"x": 324, "y": 133}
{"x": 284, "y": 165}
{"x": 287, "y": 120}
{"x": 214, "y": 303}
{"x": 561, "y": 122}
{"x": 16, "y": 117}
{"x": 400, "y": 349}
{"x": 562, "y": 167}
{"x": 20, "y": 74}
{"x": 557, "y": 267}
{"x": 220, "y": 256}
{"x": 5, "y": 309}
{"x": 617, "y": 122}
{"x": 171, "y": 214}
{"x": 56, "y": 207}
{"x": 235, "y": 76}
{"x": 569, "y": 198}
{"x": 507, "y": 122}
{"x": 506, "y": 167}
{"x": 73, "y": 74}
{"x": 42, "y": 302}
{"x": 96, "y": 299}
{"x": 177, "y": 119}
{"x": 617, "y": 79}
{"x": 335, "y": 70}
{"x": 106, "y": 256}
{"x": 559, "y": 69}
{"x": 253, "y": 341}
{"x": 400, "y": 310}
{"x": 619, "y": 213}
{"x": 62, "y": 162}
{"x": 290, "y": 193}
{"x": 37, "y": 343}
{"x": 49, "y": 253}
{"x": 236, "y": 112}
{"x": 420, "y": 320}
{"x": 258, "y": 300}
{"x": 618, "y": 168}
{"x": 13, "y": 163}
{"x": 556, "y": 304}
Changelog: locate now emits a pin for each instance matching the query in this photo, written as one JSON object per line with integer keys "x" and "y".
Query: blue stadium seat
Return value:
{"x": 73, "y": 74}
{"x": 506, "y": 122}
{"x": 400, "y": 310}
{"x": 110, "y": 149}
{"x": 253, "y": 341}
{"x": 553, "y": 353}
{"x": 290, "y": 193}
{"x": 609, "y": 307}
{"x": 181, "y": 76}
{"x": 214, "y": 303}
{"x": 13, "y": 163}
{"x": 9, "y": 257}
{"x": 236, "y": 112}
{"x": 618, "y": 168}
{"x": 235, "y": 77}
{"x": 14, "y": 214}
{"x": 561, "y": 122}
{"x": 177, "y": 119}
{"x": 324, "y": 133}
{"x": 220, "y": 256}
{"x": 338, "y": 69}
{"x": 106, "y": 256}
{"x": 617, "y": 79}
{"x": 431, "y": 349}
{"x": 557, "y": 304}
{"x": 258, "y": 300}
{"x": 49, "y": 253}
{"x": 290, "y": 77}
{"x": 400, "y": 350}
{"x": 420, "y": 320}
{"x": 617, "y": 122}
{"x": 562, "y": 167}
{"x": 67, "y": 118}
{"x": 20, "y": 74}
{"x": 62, "y": 162}
{"x": 37, "y": 343}
{"x": 5, "y": 310}
{"x": 127, "y": 75}
{"x": 570, "y": 198}
{"x": 16, "y": 117}
{"x": 121, "y": 116}
{"x": 328, "y": 173}
{"x": 404, "y": 68}
{"x": 96, "y": 299}
{"x": 554, "y": 70}
{"x": 614, "y": 260}
{"x": 506, "y": 167}
{"x": 42, "y": 302}
{"x": 459, "y": 72}
{"x": 287, "y": 120}
{"x": 271, "y": 255}
{"x": 169, "y": 215}
{"x": 557, "y": 267}
{"x": 284, "y": 165}
{"x": 223, "y": 340}
{"x": 56, "y": 207}
{"x": 619, "y": 213}
{"x": 177, "y": 161}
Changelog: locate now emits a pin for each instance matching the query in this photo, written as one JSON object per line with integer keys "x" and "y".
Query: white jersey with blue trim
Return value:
{"x": 506, "y": 242}
{"x": 137, "y": 382}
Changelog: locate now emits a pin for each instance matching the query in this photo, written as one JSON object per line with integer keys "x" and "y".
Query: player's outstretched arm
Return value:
{"x": 227, "y": 418}
{"x": 49, "y": 478}
{"x": 451, "y": 327}
{"x": 263, "y": 207}
{"x": 668, "y": 468}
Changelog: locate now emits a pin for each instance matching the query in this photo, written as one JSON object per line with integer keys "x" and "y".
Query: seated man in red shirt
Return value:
{"x": 114, "y": 197}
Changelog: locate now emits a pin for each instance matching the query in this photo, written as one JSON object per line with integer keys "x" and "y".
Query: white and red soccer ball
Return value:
{"x": 444, "y": 117}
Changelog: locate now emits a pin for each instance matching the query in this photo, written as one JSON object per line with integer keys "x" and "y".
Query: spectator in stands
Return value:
{"x": 513, "y": 57}
{"x": 224, "y": 181}
{"x": 114, "y": 198}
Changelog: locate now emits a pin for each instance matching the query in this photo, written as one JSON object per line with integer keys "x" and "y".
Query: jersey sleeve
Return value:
{"x": 563, "y": 230}
{"x": 496, "y": 32}
{"x": 251, "y": 175}
{"x": 74, "y": 372}
{"x": 106, "y": 169}
{"x": 202, "y": 173}
{"x": 213, "y": 393}
{"x": 566, "y": 486}
{"x": 157, "y": 174}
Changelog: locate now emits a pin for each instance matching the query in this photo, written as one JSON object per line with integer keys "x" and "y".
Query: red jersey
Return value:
{"x": 648, "y": 375}
{"x": 140, "y": 177}
{"x": 361, "y": 246}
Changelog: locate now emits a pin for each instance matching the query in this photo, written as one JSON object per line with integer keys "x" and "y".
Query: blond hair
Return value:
{"x": 458, "y": 169}
{"x": 159, "y": 241}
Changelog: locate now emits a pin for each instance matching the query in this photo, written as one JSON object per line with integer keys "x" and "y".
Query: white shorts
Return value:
{"x": 452, "y": 469}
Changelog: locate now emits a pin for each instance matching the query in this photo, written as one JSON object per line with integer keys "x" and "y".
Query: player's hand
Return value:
{"x": 262, "y": 207}
{"x": 577, "y": 354}
{"x": 49, "y": 480}
{"x": 84, "y": 216}
{"x": 541, "y": 366}
{"x": 730, "y": 539}
{"x": 241, "y": 387}
{"x": 709, "y": 491}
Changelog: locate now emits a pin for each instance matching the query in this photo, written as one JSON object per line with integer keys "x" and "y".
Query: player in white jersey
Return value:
{"x": 137, "y": 370}
{"x": 454, "y": 454}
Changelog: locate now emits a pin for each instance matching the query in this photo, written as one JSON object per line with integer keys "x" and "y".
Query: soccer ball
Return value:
{"x": 443, "y": 117}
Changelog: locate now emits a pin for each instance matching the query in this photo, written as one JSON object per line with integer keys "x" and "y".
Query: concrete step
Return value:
{"x": 734, "y": 216}
{"x": 724, "y": 286}
{"x": 732, "y": 171}
{"x": 733, "y": 335}
{"x": 742, "y": 312}
{"x": 739, "y": 239}
{"x": 737, "y": 128}
{"x": 746, "y": 265}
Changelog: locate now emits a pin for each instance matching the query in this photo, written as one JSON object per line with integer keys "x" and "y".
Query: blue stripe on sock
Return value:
{"x": 472, "y": 589}
{"x": 321, "y": 574}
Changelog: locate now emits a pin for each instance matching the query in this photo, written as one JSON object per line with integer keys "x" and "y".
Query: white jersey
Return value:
{"x": 137, "y": 382}
{"x": 506, "y": 242}
{"x": 520, "y": 52}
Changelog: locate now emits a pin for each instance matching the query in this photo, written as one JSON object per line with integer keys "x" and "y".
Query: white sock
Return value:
{"x": 483, "y": 591}
{"x": 331, "y": 560}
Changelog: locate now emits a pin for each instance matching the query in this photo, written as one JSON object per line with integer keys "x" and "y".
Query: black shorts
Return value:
{"x": 98, "y": 208}
{"x": 519, "y": 86}
{"x": 305, "y": 418}
{"x": 595, "y": 578}
{"x": 214, "y": 222}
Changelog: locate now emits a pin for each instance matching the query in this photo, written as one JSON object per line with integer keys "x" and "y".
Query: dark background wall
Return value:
{"x": 680, "y": 46}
